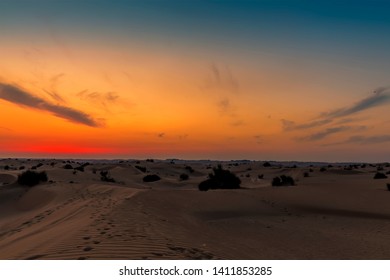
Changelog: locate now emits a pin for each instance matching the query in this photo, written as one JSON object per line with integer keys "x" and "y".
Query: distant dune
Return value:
{"x": 105, "y": 210}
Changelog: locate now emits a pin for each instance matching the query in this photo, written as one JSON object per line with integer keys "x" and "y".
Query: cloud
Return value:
{"x": 98, "y": 97}
{"x": 53, "y": 88}
{"x": 380, "y": 97}
{"x": 364, "y": 140}
{"x": 221, "y": 78}
{"x": 20, "y": 97}
{"x": 325, "y": 133}
{"x": 290, "y": 125}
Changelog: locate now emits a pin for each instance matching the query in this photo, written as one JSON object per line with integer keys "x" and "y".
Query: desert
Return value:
{"x": 106, "y": 209}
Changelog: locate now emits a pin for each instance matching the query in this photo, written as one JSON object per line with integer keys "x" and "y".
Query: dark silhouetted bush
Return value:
{"x": 189, "y": 168}
{"x": 322, "y": 169}
{"x": 151, "y": 178}
{"x": 141, "y": 168}
{"x": 261, "y": 176}
{"x": 388, "y": 187}
{"x": 380, "y": 175}
{"x": 32, "y": 178}
{"x": 220, "y": 179}
{"x": 68, "y": 166}
{"x": 184, "y": 177}
{"x": 6, "y": 167}
{"x": 283, "y": 180}
{"x": 39, "y": 164}
{"x": 106, "y": 177}
{"x": 150, "y": 160}
{"x": 306, "y": 174}
{"x": 22, "y": 167}
{"x": 79, "y": 168}
{"x": 267, "y": 164}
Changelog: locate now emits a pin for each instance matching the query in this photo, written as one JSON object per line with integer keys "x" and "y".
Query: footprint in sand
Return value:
{"x": 86, "y": 249}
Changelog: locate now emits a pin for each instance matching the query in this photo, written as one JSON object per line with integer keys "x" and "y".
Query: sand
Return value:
{"x": 341, "y": 213}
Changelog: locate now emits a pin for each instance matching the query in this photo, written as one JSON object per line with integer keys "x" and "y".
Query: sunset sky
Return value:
{"x": 265, "y": 80}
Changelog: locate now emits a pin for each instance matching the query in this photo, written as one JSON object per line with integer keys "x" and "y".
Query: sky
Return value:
{"x": 260, "y": 80}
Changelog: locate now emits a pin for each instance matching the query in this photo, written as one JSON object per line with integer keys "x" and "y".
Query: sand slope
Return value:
{"x": 336, "y": 214}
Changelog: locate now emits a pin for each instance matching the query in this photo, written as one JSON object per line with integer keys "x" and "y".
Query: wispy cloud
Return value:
{"x": 221, "y": 78}
{"x": 380, "y": 96}
{"x": 364, "y": 140}
{"x": 102, "y": 98}
{"x": 325, "y": 133}
{"x": 52, "y": 92}
{"x": 291, "y": 125}
{"x": 23, "y": 98}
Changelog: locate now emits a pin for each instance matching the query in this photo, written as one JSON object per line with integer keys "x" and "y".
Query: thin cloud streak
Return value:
{"x": 20, "y": 97}
{"x": 380, "y": 96}
{"x": 323, "y": 134}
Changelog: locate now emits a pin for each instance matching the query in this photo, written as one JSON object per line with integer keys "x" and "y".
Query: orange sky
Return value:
{"x": 65, "y": 95}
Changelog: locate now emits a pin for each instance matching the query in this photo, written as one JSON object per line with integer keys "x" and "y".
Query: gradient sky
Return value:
{"x": 266, "y": 80}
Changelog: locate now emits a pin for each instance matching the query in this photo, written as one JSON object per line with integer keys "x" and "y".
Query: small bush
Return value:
{"x": 380, "y": 175}
{"x": 22, "y": 167}
{"x": 151, "y": 178}
{"x": 388, "y": 187}
{"x": 283, "y": 180}
{"x": 190, "y": 169}
{"x": 106, "y": 177}
{"x": 79, "y": 168}
{"x": 141, "y": 168}
{"x": 184, "y": 177}
{"x": 323, "y": 169}
{"x": 261, "y": 176}
{"x": 220, "y": 179}
{"x": 6, "y": 167}
{"x": 267, "y": 164}
{"x": 32, "y": 178}
{"x": 306, "y": 174}
{"x": 68, "y": 166}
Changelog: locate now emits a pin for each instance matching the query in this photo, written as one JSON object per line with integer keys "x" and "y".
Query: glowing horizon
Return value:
{"x": 275, "y": 80}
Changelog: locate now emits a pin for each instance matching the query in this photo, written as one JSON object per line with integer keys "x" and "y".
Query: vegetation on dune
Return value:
{"x": 68, "y": 166}
{"x": 184, "y": 177}
{"x": 151, "y": 178}
{"x": 141, "y": 168}
{"x": 220, "y": 179}
{"x": 106, "y": 177}
{"x": 388, "y": 187}
{"x": 32, "y": 178}
{"x": 283, "y": 180}
{"x": 380, "y": 175}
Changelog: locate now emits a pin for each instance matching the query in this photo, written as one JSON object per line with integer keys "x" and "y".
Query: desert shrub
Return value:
{"x": 380, "y": 175}
{"x": 388, "y": 172}
{"x": 79, "y": 168}
{"x": 306, "y": 174}
{"x": 22, "y": 167}
{"x": 189, "y": 168}
{"x": 6, "y": 167}
{"x": 32, "y": 178}
{"x": 141, "y": 168}
{"x": 151, "y": 178}
{"x": 68, "y": 166}
{"x": 248, "y": 175}
{"x": 106, "y": 177}
{"x": 283, "y": 180}
{"x": 184, "y": 177}
{"x": 388, "y": 187}
{"x": 220, "y": 179}
{"x": 322, "y": 169}
{"x": 267, "y": 164}
{"x": 261, "y": 176}
{"x": 150, "y": 160}
{"x": 39, "y": 164}
{"x": 311, "y": 170}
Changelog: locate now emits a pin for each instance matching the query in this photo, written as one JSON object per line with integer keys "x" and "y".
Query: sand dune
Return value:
{"x": 335, "y": 214}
